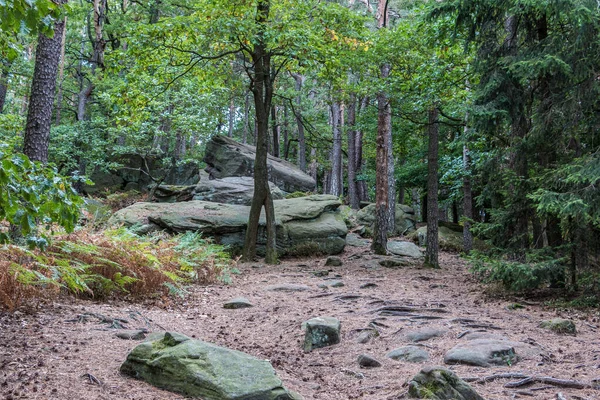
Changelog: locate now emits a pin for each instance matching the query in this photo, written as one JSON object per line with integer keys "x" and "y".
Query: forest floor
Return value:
{"x": 63, "y": 350}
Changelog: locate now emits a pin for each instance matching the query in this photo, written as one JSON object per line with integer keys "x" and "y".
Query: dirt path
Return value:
{"x": 60, "y": 352}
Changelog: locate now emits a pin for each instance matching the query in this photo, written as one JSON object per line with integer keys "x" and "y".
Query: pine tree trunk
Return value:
{"x": 363, "y": 193}
{"x": 275, "y": 124}
{"x": 61, "y": 72}
{"x": 286, "y": 135}
{"x": 246, "y": 119}
{"x": 467, "y": 201}
{"x": 43, "y": 87}
{"x": 431, "y": 253}
{"x": 231, "y": 117}
{"x": 353, "y": 198}
{"x": 380, "y": 227}
{"x": 336, "y": 152}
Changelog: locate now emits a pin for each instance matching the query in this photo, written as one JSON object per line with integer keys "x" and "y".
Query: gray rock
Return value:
{"x": 199, "y": 369}
{"x": 367, "y": 361}
{"x": 304, "y": 226}
{"x": 131, "y": 334}
{"x": 320, "y": 274}
{"x": 439, "y": 383}
{"x": 333, "y": 261}
{"x": 482, "y": 353}
{"x": 225, "y": 157}
{"x": 333, "y": 284}
{"x": 449, "y": 239}
{"x": 422, "y": 335}
{"x": 352, "y": 239}
{"x": 231, "y": 190}
{"x": 405, "y": 219}
{"x": 405, "y": 249}
{"x": 413, "y": 354}
{"x": 560, "y": 326}
{"x": 321, "y": 332}
{"x": 287, "y": 287}
{"x": 366, "y": 335}
{"x": 238, "y": 302}
{"x": 394, "y": 262}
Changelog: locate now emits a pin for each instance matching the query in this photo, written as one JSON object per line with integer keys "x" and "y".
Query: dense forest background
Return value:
{"x": 482, "y": 113}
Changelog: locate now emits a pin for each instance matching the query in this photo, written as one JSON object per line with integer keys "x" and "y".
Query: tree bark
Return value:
{"x": 336, "y": 152}
{"x": 363, "y": 193}
{"x": 467, "y": 201}
{"x": 4, "y": 72}
{"x": 43, "y": 87}
{"x": 380, "y": 227}
{"x": 231, "y": 117}
{"x": 286, "y": 136}
{"x": 262, "y": 90}
{"x": 275, "y": 124}
{"x": 246, "y": 119}
{"x": 301, "y": 139}
{"x": 61, "y": 72}
{"x": 431, "y": 253}
{"x": 353, "y": 198}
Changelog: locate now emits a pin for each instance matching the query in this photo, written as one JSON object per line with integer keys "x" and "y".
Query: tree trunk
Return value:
{"x": 246, "y": 119}
{"x": 275, "y": 124}
{"x": 43, "y": 87}
{"x": 180, "y": 148}
{"x": 353, "y": 199}
{"x": 61, "y": 73}
{"x": 391, "y": 207}
{"x": 4, "y": 72}
{"x": 313, "y": 165}
{"x": 431, "y": 253}
{"x": 380, "y": 227}
{"x": 286, "y": 135}
{"x": 231, "y": 117}
{"x": 363, "y": 193}
{"x": 301, "y": 140}
{"x": 336, "y": 152}
{"x": 467, "y": 198}
{"x": 262, "y": 90}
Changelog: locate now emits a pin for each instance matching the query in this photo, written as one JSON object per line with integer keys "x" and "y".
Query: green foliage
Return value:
{"x": 33, "y": 196}
{"x": 539, "y": 269}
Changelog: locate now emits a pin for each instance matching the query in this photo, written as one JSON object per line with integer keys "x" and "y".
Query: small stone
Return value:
{"x": 287, "y": 287}
{"x": 321, "y": 332}
{"x": 424, "y": 334}
{"x": 366, "y": 361}
{"x": 238, "y": 302}
{"x": 128, "y": 334}
{"x": 336, "y": 284}
{"x": 333, "y": 261}
{"x": 482, "y": 353}
{"x": 321, "y": 273}
{"x": 560, "y": 326}
{"x": 366, "y": 335}
{"x": 412, "y": 354}
{"x": 439, "y": 383}
{"x": 394, "y": 262}
{"x": 368, "y": 285}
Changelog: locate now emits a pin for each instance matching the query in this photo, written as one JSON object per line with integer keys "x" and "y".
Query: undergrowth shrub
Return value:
{"x": 112, "y": 263}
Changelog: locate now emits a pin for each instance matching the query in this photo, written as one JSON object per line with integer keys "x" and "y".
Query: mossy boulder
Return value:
{"x": 449, "y": 239}
{"x": 203, "y": 370}
{"x": 560, "y": 326}
{"x": 321, "y": 332}
{"x": 439, "y": 383}
{"x": 405, "y": 219}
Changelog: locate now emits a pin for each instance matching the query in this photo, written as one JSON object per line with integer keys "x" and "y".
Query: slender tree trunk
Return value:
{"x": 180, "y": 148}
{"x": 336, "y": 152}
{"x": 353, "y": 198}
{"x": 262, "y": 89}
{"x": 4, "y": 73}
{"x": 301, "y": 140}
{"x": 391, "y": 207}
{"x": 416, "y": 203}
{"x": 380, "y": 227}
{"x": 314, "y": 165}
{"x": 231, "y": 117}
{"x": 286, "y": 135}
{"x": 246, "y": 119}
{"x": 431, "y": 253}
{"x": 61, "y": 73}
{"x": 467, "y": 201}
{"x": 43, "y": 87}
{"x": 275, "y": 124}
{"x": 363, "y": 193}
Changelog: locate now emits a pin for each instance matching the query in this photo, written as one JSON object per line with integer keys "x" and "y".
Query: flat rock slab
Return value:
{"x": 287, "y": 287}
{"x": 405, "y": 249}
{"x": 199, "y": 369}
{"x": 482, "y": 353}
{"x": 333, "y": 261}
{"x": 238, "y": 302}
{"x": 422, "y": 335}
{"x": 352, "y": 239}
{"x": 333, "y": 284}
{"x": 321, "y": 332}
{"x": 439, "y": 383}
{"x": 131, "y": 334}
{"x": 413, "y": 354}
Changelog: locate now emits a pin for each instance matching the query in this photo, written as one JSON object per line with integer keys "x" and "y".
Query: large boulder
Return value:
{"x": 405, "y": 219}
{"x": 449, "y": 239}
{"x": 231, "y": 190}
{"x": 203, "y": 370}
{"x": 304, "y": 225}
{"x": 225, "y": 157}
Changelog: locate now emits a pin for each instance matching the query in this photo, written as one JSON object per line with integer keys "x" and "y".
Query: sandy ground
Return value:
{"x": 54, "y": 353}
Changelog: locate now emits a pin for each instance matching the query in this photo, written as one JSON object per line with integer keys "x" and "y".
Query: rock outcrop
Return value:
{"x": 203, "y": 370}
{"x": 231, "y": 190}
{"x": 225, "y": 158}
{"x": 439, "y": 383}
{"x": 304, "y": 225}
